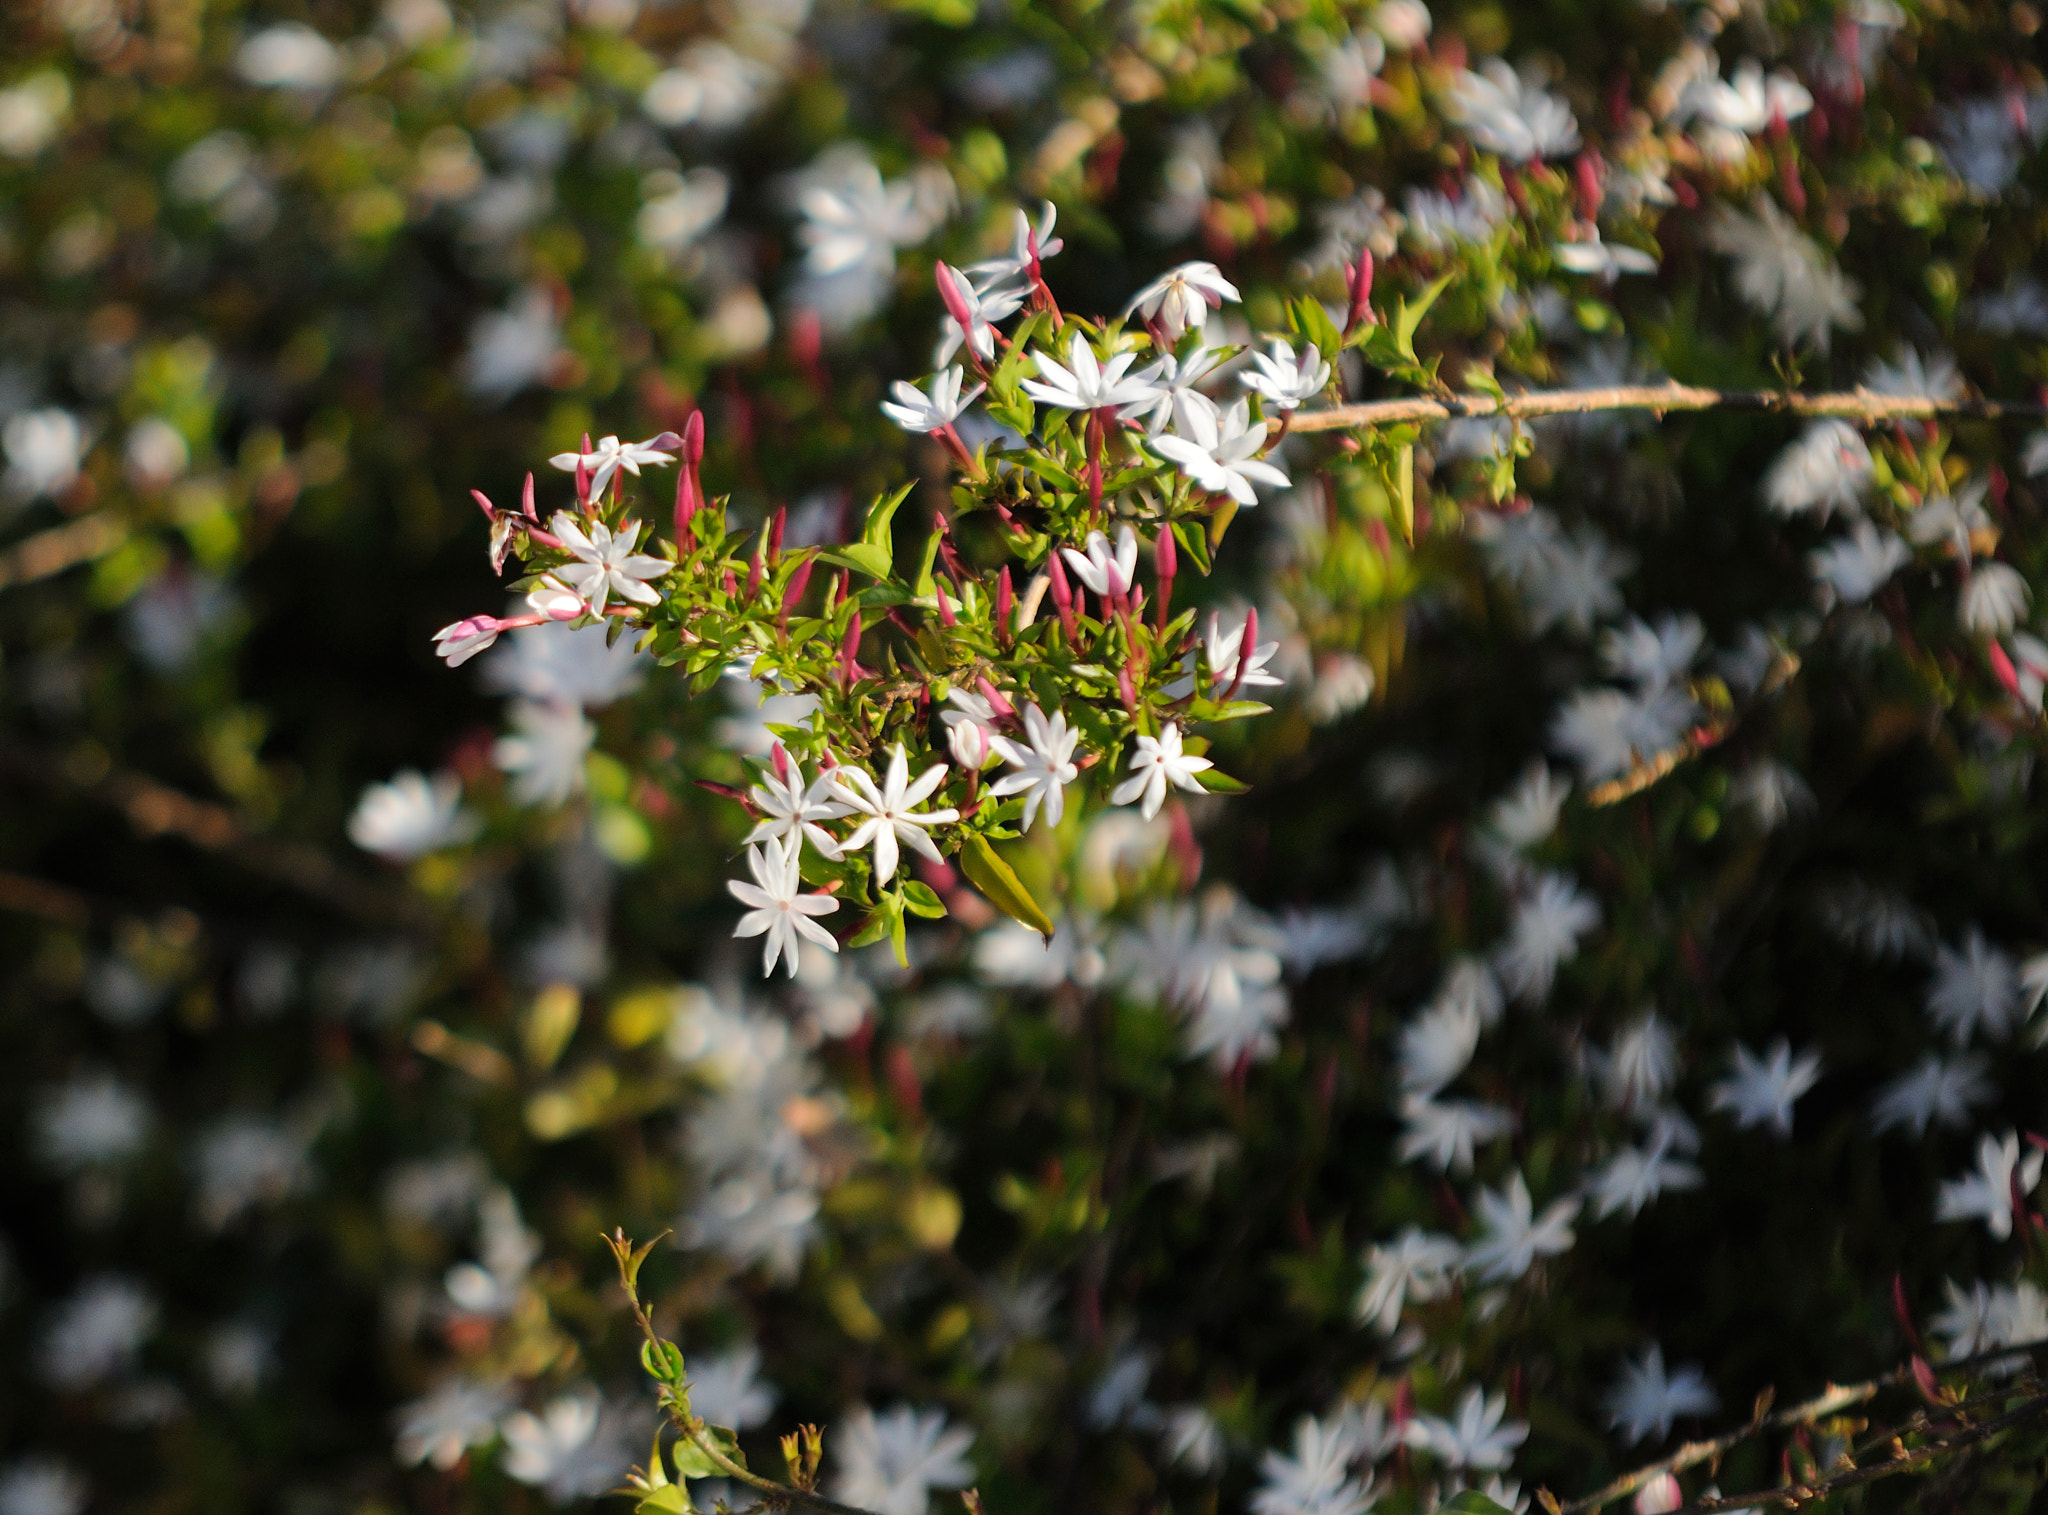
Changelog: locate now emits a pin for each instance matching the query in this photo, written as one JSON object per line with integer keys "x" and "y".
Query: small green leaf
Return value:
{"x": 1408, "y": 317}
{"x": 876, "y": 927}
{"x": 921, "y": 899}
{"x": 875, "y": 531}
{"x": 663, "y": 1361}
{"x": 669, "y": 1499}
{"x": 923, "y": 586}
{"x": 1218, "y": 782}
{"x": 1471, "y": 1502}
{"x": 862, "y": 557}
{"x": 1310, "y": 321}
{"x": 995, "y": 878}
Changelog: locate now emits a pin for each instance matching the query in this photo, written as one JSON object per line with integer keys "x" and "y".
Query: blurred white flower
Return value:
{"x": 1480, "y": 1436}
{"x": 890, "y": 1463}
{"x": 1528, "y": 813}
{"x": 440, "y": 1426}
{"x": 1317, "y": 1479}
{"x": 1511, "y": 113}
{"x": 289, "y": 55}
{"x": 92, "y": 1120}
{"x": 44, "y": 449}
{"x": 1189, "y": 1438}
{"x": 2002, "y": 1176}
{"x": 1761, "y": 1091}
{"x": 155, "y": 453}
{"x": 1937, "y": 1091}
{"x": 1826, "y": 470}
{"x": 239, "y": 1356}
{"x": 1437, "y": 1045}
{"x": 1515, "y": 1235}
{"x": 514, "y": 347}
{"x": 32, "y": 112}
{"x": 1782, "y": 273}
{"x": 1646, "y": 1399}
{"x": 411, "y": 816}
{"x": 1994, "y": 597}
{"x": 1985, "y": 1319}
{"x": 1975, "y": 987}
{"x": 679, "y": 208}
{"x": 1414, "y": 1265}
{"x": 1856, "y": 565}
{"x": 94, "y": 1336}
{"x": 1448, "y": 1132}
{"x": 726, "y": 1388}
{"x": 244, "y": 1161}
{"x": 42, "y": 1486}
{"x": 709, "y": 86}
{"x": 1634, "y": 1176}
{"x": 546, "y": 757}
{"x": 570, "y": 665}
{"x": 565, "y": 1450}
{"x": 1543, "y": 935}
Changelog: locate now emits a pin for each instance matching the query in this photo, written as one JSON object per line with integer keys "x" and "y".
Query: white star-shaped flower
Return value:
{"x": 1477, "y": 1438}
{"x": 1031, "y": 247}
{"x": 891, "y": 811}
{"x": 1085, "y": 382}
{"x": 971, "y": 315}
{"x": 776, "y": 906}
{"x": 933, "y": 408}
{"x": 1987, "y": 1194}
{"x": 1217, "y": 452}
{"x": 1154, "y": 765}
{"x": 1287, "y": 379}
{"x": 1044, "y": 763}
{"x": 1182, "y": 297}
{"x": 1172, "y": 380}
{"x": 1761, "y": 1091}
{"x": 789, "y": 807}
{"x": 1108, "y": 574}
{"x": 608, "y": 457}
{"x": 1515, "y": 1236}
{"x": 605, "y": 562}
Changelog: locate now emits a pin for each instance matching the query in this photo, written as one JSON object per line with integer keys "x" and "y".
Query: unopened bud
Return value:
{"x": 970, "y": 746}
{"x": 1004, "y": 598}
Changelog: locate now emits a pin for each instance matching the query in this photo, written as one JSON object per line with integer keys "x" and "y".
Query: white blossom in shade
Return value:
{"x": 244, "y": 1161}
{"x": 1170, "y": 380}
{"x": 2018, "y": 310}
{"x": 1826, "y": 470}
{"x": 1937, "y": 1091}
{"x": 91, "y": 1120}
{"x": 567, "y": 1450}
{"x": 1543, "y": 935}
{"x": 1646, "y": 1399}
{"x": 1414, "y": 1265}
{"x": 1853, "y": 567}
{"x": 680, "y": 209}
{"x": 1437, "y": 1045}
{"x": 1044, "y": 761}
{"x": 155, "y": 453}
{"x": 1597, "y": 258}
{"x": 1975, "y": 987}
{"x": 1448, "y": 1132}
{"x": 443, "y": 1424}
{"x": 1512, "y": 114}
{"x": 890, "y": 1463}
{"x": 1746, "y": 101}
{"x": 2034, "y": 457}
{"x": 709, "y": 86}
{"x": 1317, "y": 1479}
{"x": 1782, "y": 273}
{"x": 42, "y": 1486}
{"x": 1910, "y": 372}
{"x": 1771, "y": 793}
{"x": 1118, "y": 1397}
{"x": 1218, "y": 451}
{"x": 1191, "y": 1439}
{"x": 1085, "y": 382}
{"x": 1653, "y": 657}
{"x": 605, "y": 561}
{"x": 411, "y": 816}
{"x": 1479, "y": 1436}
{"x": 1236, "y": 1016}
{"x": 44, "y": 449}
{"x": 2030, "y": 668}
{"x": 1877, "y": 922}
{"x": 777, "y": 907}
{"x": 1010, "y": 953}
{"x": 1762, "y": 1090}
{"x": 1634, "y": 1176}
{"x": 1106, "y": 572}
{"x": 1642, "y": 1064}
{"x": 891, "y": 811}
{"x": 1404, "y": 23}
{"x": 2033, "y": 984}
{"x": 984, "y": 308}
{"x": 1156, "y": 763}
{"x": 726, "y": 1388}
{"x": 1438, "y": 222}
{"x": 1181, "y": 298}
{"x": 1984, "y": 1319}
{"x": 1562, "y": 581}
{"x": 1221, "y": 643}
{"x": 1307, "y": 938}
{"x": 571, "y": 665}
{"x": 1287, "y": 379}
{"x": 1528, "y": 813}
{"x": 32, "y": 113}
{"x": 1515, "y": 1235}
{"x": 854, "y": 223}
{"x": 94, "y": 1336}
{"x": 290, "y": 55}
{"x": 1993, "y": 599}
{"x": 754, "y": 1219}
{"x": 790, "y": 807}
{"x": 932, "y": 408}
{"x": 1982, "y": 143}
{"x": 239, "y": 1357}
{"x": 545, "y": 757}
{"x": 1987, "y": 1193}
{"x": 1347, "y": 70}
{"x": 512, "y": 348}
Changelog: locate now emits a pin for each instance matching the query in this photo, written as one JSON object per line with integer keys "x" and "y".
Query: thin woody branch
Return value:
{"x": 1857, "y": 404}
{"x": 1832, "y": 1401}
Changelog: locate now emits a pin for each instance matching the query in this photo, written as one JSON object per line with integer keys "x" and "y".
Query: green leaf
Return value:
{"x": 1471, "y": 1502}
{"x": 862, "y": 557}
{"x": 1216, "y": 781}
{"x": 873, "y": 931}
{"x": 921, "y": 899}
{"x": 995, "y": 878}
{"x": 923, "y": 585}
{"x": 692, "y": 1462}
{"x": 669, "y": 1499}
{"x": 875, "y": 531}
{"x": 1408, "y": 317}
{"x": 1309, "y": 320}
{"x": 663, "y": 1361}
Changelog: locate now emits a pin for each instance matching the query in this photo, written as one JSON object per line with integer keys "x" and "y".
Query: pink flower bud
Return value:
{"x": 462, "y": 640}
{"x": 483, "y": 503}
{"x": 1004, "y": 598}
{"x": 970, "y": 746}
{"x": 1659, "y": 1496}
{"x": 952, "y": 290}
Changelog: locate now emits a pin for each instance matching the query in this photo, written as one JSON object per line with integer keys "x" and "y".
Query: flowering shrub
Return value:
{"x": 1608, "y": 994}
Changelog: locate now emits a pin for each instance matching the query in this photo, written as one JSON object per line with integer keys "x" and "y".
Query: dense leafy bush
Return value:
{"x": 1541, "y": 936}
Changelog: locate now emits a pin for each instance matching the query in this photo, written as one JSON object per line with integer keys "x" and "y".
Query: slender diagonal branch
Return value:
{"x": 1835, "y": 1399}
{"x": 1858, "y": 404}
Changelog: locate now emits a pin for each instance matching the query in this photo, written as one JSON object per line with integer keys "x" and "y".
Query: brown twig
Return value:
{"x": 1858, "y": 404}
{"x": 1835, "y": 1399}
{"x": 61, "y": 547}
